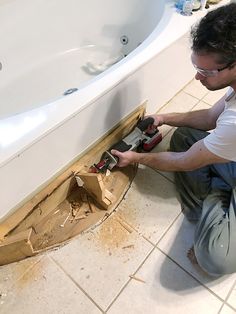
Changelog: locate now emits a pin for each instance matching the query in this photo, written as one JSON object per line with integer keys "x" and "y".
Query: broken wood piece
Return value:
{"x": 75, "y": 204}
{"x": 3, "y": 231}
{"x": 16, "y": 247}
{"x": 80, "y": 217}
{"x": 94, "y": 185}
{"x": 128, "y": 246}
{"x": 124, "y": 225}
{"x": 91, "y": 205}
{"x": 63, "y": 224}
{"x": 84, "y": 196}
{"x": 73, "y": 211}
{"x": 108, "y": 172}
{"x": 136, "y": 278}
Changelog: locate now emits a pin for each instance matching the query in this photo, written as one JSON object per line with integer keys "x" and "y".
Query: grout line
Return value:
{"x": 148, "y": 240}
{"x": 181, "y": 91}
{"x": 206, "y": 103}
{"x": 227, "y": 297}
{"x": 158, "y": 111}
{"x": 191, "y": 275}
{"x": 199, "y": 98}
{"x": 76, "y": 283}
{"x": 164, "y": 176}
{"x": 123, "y": 288}
{"x": 167, "y": 230}
{"x": 229, "y": 305}
{"x": 221, "y": 308}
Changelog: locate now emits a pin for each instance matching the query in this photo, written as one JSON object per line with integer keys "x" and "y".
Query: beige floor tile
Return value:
{"x": 102, "y": 261}
{"x": 10, "y": 273}
{"x": 213, "y": 96}
{"x": 196, "y": 89}
{"x": 46, "y": 289}
{"x": 227, "y": 310}
{"x": 182, "y": 102}
{"x": 167, "y": 289}
{"x": 164, "y": 146}
{"x": 232, "y": 298}
{"x": 201, "y": 105}
{"x": 150, "y": 205}
{"x": 165, "y": 129}
{"x": 176, "y": 243}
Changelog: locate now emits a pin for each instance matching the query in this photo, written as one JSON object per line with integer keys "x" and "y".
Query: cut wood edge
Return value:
{"x": 16, "y": 247}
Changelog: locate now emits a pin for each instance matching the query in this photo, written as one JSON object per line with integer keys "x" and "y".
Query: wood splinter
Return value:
{"x": 124, "y": 225}
{"x": 128, "y": 246}
{"x": 63, "y": 224}
{"x": 80, "y": 217}
{"x": 136, "y": 278}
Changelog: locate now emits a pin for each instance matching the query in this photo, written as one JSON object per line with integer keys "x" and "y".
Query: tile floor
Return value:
{"x": 141, "y": 268}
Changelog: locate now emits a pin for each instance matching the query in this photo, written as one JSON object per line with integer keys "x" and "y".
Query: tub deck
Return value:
{"x": 126, "y": 270}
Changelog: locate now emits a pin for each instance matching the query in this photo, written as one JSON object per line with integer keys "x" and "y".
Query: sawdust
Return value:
{"x": 127, "y": 211}
{"x": 113, "y": 234}
{"x": 71, "y": 217}
{"x": 53, "y": 225}
{"x": 32, "y": 274}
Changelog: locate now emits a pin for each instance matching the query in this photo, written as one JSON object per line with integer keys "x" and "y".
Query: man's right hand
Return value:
{"x": 158, "y": 119}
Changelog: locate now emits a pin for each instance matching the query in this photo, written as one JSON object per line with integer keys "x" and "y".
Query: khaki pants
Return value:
{"x": 208, "y": 196}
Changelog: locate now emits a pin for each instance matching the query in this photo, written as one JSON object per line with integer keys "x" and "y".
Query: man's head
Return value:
{"x": 214, "y": 48}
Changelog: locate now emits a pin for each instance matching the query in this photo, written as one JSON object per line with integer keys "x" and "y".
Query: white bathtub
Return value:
{"x": 42, "y": 131}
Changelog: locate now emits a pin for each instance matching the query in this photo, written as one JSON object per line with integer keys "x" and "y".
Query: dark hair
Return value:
{"x": 216, "y": 33}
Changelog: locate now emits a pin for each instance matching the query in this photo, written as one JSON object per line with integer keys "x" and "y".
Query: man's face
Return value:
{"x": 217, "y": 79}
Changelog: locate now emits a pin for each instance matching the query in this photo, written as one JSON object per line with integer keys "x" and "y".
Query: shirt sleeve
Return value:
{"x": 221, "y": 141}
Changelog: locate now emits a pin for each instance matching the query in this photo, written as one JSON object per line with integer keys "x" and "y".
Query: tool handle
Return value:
{"x": 121, "y": 146}
{"x": 143, "y": 125}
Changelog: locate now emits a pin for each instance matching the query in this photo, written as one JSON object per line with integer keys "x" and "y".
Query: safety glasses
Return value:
{"x": 210, "y": 73}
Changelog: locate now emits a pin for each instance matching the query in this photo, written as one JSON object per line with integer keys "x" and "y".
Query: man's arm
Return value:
{"x": 196, "y": 157}
{"x": 204, "y": 119}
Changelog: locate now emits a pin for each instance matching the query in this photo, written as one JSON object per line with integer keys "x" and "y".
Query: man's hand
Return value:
{"x": 125, "y": 158}
{"x": 158, "y": 119}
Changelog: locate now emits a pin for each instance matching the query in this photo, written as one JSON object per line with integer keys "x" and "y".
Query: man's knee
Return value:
{"x": 177, "y": 139}
{"x": 215, "y": 260}
{"x": 184, "y": 137}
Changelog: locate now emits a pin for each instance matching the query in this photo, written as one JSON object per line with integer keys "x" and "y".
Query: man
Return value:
{"x": 205, "y": 163}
